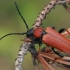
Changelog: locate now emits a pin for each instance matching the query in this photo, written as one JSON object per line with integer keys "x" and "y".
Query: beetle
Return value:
{"x": 53, "y": 39}
{"x": 49, "y": 37}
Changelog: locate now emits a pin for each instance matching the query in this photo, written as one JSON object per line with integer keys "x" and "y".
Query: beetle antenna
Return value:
{"x": 21, "y": 15}
{"x": 12, "y": 34}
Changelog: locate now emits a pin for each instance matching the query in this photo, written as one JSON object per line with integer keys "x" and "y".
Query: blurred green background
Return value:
{"x": 10, "y": 21}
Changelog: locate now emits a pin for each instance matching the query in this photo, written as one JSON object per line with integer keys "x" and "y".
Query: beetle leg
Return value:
{"x": 33, "y": 51}
{"x": 66, "y": 32}
{"x": 34, "y": 63}
{"x": 61, "y": 30}
{"x": 59, "y": 54}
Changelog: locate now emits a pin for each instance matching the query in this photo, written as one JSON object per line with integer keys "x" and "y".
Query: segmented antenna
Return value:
{"x": 12, "y": 34}
{"x": 21, "y": 16}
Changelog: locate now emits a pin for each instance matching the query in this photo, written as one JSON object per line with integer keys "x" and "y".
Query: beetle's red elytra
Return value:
{"x": 56, "y": 40}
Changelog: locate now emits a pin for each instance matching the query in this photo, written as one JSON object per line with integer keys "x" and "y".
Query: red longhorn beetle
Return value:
{"x": 50, "y": 37}
{"x": 53, "y": 38}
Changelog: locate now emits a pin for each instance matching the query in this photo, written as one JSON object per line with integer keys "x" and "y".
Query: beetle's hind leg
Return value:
{"x": 61, "y": 30}
{"x": 59, "y": 54}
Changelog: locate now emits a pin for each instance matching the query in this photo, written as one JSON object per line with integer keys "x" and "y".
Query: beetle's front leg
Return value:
{"x": 34, "y": 63}
{"x": 34, "y": 54}
{"x": 33, "y": 51}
